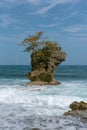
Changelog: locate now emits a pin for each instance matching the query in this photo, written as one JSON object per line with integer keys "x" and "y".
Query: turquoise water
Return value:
{"x": 26, "y": 105}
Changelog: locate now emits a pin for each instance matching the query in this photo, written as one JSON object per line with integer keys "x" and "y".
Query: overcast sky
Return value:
{"x": 64, "y": 21}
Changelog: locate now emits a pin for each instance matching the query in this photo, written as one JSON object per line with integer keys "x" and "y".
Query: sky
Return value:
{"x": 63, "y": 21}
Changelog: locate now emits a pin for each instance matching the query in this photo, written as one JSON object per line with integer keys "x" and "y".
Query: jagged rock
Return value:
{"x": 78, "y": 109}
{"x": 44, "y": 62}
{"x": 78, "y": 105}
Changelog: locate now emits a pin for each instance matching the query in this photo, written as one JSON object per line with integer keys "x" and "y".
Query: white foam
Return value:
{"x": 34, "y": 98}
{"x": 43, "y": 99}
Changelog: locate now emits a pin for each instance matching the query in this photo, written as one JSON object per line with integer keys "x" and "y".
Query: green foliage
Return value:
{"x": 50, "y": 45}
{"x": 35, "y": 42}
{"x": 32, "y": 42}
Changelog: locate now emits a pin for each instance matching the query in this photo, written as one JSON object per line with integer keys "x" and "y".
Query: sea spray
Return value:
{"x": 25, "y": 107}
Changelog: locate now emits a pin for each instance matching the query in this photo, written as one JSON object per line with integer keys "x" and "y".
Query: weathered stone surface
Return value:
{"x": 78, "y": 109}
{"x": 41, "y": 83}
{"x": 44, "y": 62}
{"x": 78, "y": 105}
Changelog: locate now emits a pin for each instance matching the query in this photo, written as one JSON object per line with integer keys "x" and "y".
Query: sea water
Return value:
{"x": 25, "y": 107}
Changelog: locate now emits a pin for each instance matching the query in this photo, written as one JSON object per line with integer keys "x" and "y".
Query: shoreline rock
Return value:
{"x": 78, "y": 109}
{"x": 41, "y": 83}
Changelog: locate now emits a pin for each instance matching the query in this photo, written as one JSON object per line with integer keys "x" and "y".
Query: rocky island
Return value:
{"x": 45, "y": 57}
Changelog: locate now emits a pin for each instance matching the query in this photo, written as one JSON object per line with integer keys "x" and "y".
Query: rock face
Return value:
{"x": 44, "y": 62}
{"x": 78, "y": 109}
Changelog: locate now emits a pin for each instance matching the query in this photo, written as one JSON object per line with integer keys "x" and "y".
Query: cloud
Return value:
{"x": 62, "y": 19}
{"x": 52, "y": 4}
{"x": 72, "y": 29}
{"x": 45, "y": 5}
{"x": 75, "y": 28}
{"x": 6, "y": 3}
{"x": 42, "y": 6}
{"x": 47, "y": 26}
{"x": 6, "y": 20}
{"x": 9, "y": 3}
{"x": 74, "y": 13}
{"x": 34, "y": 2}
{"x": 54, "y": 24}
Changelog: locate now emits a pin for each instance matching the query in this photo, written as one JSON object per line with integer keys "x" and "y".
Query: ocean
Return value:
{"x": 25, "y": 107}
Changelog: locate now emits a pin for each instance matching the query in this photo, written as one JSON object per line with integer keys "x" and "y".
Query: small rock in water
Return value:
{"x": 78, "y": 109}
{"x": 35, "y": 129}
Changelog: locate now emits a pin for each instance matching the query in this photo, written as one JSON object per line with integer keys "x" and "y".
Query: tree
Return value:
{"x": 32, "y": 42}
{"x": 36, "y": 42}
{"x": 45, "y": 57}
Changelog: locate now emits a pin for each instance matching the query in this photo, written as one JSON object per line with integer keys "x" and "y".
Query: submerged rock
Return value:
{"x": 44, "y": 62}
{"x": 35, "y": 129}
{"x": 78, "y": 109}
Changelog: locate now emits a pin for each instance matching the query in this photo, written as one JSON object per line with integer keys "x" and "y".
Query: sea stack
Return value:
{"x": 46, "y": 55}
{"x": 44, "y": 63}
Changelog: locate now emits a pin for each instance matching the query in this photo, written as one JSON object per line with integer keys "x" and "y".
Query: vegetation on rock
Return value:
{"x": 45, "y": 57}
{"x": 32, "y": 42}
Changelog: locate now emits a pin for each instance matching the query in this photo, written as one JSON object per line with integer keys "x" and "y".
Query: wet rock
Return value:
{"x": 78, "y": 105}
{"x": 41, "y": 83}
{"x": 78, "y": 109}
{"x": 35, "y": 129}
